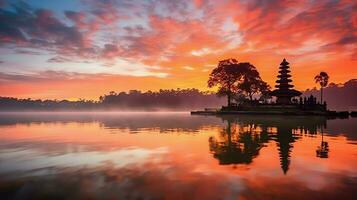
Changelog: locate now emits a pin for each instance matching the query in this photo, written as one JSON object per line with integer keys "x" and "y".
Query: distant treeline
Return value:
{"x": 338, "y": 96}
{"x": 179, "y": 99}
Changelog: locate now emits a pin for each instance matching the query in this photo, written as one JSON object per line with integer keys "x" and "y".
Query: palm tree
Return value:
{"x": 322, "y": 79}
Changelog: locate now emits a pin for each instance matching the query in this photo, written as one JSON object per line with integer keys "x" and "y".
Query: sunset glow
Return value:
{"x": 83, "y": 49}
{"x": 106, "y": 154}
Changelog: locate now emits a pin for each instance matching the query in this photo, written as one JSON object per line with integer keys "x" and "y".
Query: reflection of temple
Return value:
{"x": 242, "y": 139}
{"x": 284, "y": 138}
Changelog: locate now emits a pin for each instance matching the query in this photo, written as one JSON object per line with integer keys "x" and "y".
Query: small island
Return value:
{"x": 247, "y": 93}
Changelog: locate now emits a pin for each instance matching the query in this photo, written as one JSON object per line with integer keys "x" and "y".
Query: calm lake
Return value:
{"x": 176, "y": 156}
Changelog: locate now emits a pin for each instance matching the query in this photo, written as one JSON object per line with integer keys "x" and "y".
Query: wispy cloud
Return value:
{"x": 156, "y": 38}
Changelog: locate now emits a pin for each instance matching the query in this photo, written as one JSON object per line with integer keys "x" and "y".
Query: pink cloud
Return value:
{"x": 197, "y": 33}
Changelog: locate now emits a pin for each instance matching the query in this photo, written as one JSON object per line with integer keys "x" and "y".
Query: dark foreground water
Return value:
{"x": 176, "y": 156}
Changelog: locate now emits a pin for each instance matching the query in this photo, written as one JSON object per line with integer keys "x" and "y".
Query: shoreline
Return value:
{"x": 283, "y": 113}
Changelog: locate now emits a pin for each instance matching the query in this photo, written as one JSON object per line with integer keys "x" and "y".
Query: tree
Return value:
{"x": 322, "y": 79}
{"x": 240, "y": 98}
{"x": 225, "y": 76}
{"x": 251, "y": 82}
{"x": 232, "y": 77}
{"x": 265, "y": 93}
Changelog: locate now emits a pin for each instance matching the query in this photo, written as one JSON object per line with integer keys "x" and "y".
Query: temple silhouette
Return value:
{"x": 284, "y": 91}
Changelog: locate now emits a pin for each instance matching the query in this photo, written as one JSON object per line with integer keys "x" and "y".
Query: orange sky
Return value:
{"x": 74, "y": 50}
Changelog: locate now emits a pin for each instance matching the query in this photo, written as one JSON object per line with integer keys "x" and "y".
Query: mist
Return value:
{"x": 339, "y": 97}
{"x": 163, "y": 100}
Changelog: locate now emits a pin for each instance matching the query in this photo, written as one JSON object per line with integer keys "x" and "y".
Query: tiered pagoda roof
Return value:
{"x": 284, "y": 91}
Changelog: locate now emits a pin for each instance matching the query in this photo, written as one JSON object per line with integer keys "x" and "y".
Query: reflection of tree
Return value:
{"x": 237, "y": 145}
{"x": 242, "y": 139}
{"x": 322, "y": 150}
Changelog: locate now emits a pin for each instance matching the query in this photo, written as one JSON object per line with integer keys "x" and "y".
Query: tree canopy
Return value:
{"x": 226, "y": 76}
{"x": 251, "y": 82}
{"x": 232, "y": 77}
{"x": 322, "y": 79}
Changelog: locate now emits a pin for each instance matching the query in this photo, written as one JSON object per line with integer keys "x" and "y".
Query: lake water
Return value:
{"x": 176, "y": 156}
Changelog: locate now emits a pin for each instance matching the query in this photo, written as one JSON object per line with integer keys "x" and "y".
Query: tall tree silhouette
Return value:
{"x": 322, "y": 79}
{"x": 232, "y": 77}
{"x": 225, "y": 76}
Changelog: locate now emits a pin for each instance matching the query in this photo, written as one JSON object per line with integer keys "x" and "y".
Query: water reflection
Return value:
{"x": 236, "y": 144}
{"x": 243, "y": 137}
{"x": 323, "y": 149}
{"x": 176, "y": 156}
{"x": 165, "y": 122}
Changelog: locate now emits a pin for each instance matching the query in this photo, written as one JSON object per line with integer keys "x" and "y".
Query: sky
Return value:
{"x": 73, "y": 49}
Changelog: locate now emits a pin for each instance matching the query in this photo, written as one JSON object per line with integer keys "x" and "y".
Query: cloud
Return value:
{"x": 169, "y": 28}
{"x": 39, "y": 28}
{"x": 158, "y": 37}
{"x": 188, "y": 68}
{"x": 42, "y": 76}
{"x": 78, "y": 18}
{"x": 265, "y": 23}
{"x": 51, "y": 75}
{"x": 110, "y": 51}
{"x": 58, "y": 59}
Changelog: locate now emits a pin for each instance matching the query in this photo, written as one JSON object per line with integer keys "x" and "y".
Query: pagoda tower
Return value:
{"x": 284, "y": 91}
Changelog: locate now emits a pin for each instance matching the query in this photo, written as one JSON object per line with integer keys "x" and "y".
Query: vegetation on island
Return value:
{"x": 339, "y": 96}
{"x": 322, "y": 79}
{"x": 237, "y": 81}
